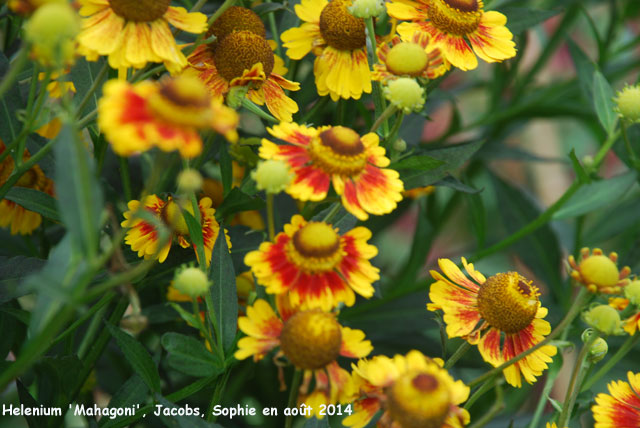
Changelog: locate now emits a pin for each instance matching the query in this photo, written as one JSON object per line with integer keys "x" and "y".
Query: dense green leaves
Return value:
{"x": 137, "y": 356}
{"x": 521, "y": 18}
{"x": 237, "y": 201}
{"x": 223, "y": 291}
{"x": 10, "y": 103}
{"x": 35, "y": 200}
{"x": 189, "y": 356}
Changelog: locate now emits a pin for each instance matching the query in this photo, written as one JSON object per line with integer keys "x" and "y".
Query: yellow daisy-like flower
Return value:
{"x": 143, "y": 236}
{"x": 165, "y": 114}
{"x": 411, "y": 391}
{"x": 454, "y": 25}
{"x": 355, "y": 165}
{"x": 508, "y": 306}
{"x": 598, "y": 272}
{"x": 312, "y": 340}
{"x": 410, "y": 56}
{"x": 315, "y": 265}
{"x": 21, "y": 220}
{"x": 621, "y": 407}
{"x": 241, "y": 57}
{"x": 338, "y": 40}
{"x": 57, "y": 87}
{"x": 133, "y": 33}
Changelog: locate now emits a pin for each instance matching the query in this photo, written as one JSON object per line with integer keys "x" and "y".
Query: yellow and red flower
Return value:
{"x": 412, "y": 391}
{"x": 133, "y": 33}
{"x": 355, "y": 165}
{"x": 312, "y": 340}
{"x": 506, "y": 305}
{"x": 241, "y": 57}
{"x": 454, "y": 25}
{"x": 599, "y": 273}
{"x": 21, "y": 220}
{"x": 165, "y": 114}
{"x": 409, "y": 56}
{"x": 621, "y": 407}
{"x": 144, "y": 236}
{"x": 314, "y": 264}
{"x": 338, "y": 40}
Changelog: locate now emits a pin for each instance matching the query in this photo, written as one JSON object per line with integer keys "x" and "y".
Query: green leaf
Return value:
{"x": 523, "y": 18}
{"x": 195, "y": 234}
{"x": 585, "y": 68}
{"x": 596, "y": 195}
{"x": 223, "y": 291}
{"x": 226, "y": 168}
{"x": 478, "y": 217}
{"x": 14, "y": 269}
{"x": 137, "y": 356}
{"x": 27, "y": 400}
{"x": 133, "y": 391}
{"x": 10, "y": 103}
{"x": 452, "y": 157}
{"x": 55, "y": 378}
{"x": 237, "y": 201}
{"x": 582, "y": 175}
{"x": 83, "y": 75}
{"x": 189, "y": 356}
{"x": 34, "y": 200}
{"x": 264, "y": 8}
{"x": 79, "y": 195}
{"x": 603, "y": 101}
{"x": 420, "y": 163}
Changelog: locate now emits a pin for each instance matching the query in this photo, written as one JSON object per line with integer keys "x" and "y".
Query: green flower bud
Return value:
{"x": 605, "y": 319}
{"x": 399, "y": 145}
{"x": 406, "y": 94}
{"x": 51, "y": 31}
{"x": 632, "y": 292}
{"x": 598, "y": 350}
{"x": 628, "y": 103}
{"x": 272, "y": 175}
{"x": 366, "y": 8}
{"x": 189, "y": 180}
{"x": 191, "y": 281}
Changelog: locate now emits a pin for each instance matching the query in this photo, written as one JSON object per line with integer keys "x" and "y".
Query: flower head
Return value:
{"x": 241, "y": 58}
{"x": 191, "y": 281}
{"x": 604, "y": 318}
{"x": 406, "y": 94}
{"x": 132, "y": 33}
{"x": 628, "y": 103}
{"x": 453, "y": 25}
{"x": 316, "y": 265}
{"x": 21, "y": 220}
{"x": 189, "y": 180}
{"x": 410, "y": 55}
{"x": 632, "y": 292}
{"x": 355, "y": 165}
{"x": 144, "y": 236}
{"x": 338, "y": 40}
{"x": 621, "y": 407}
{"x": 272, "y": 175}
{"x": 598, "y": 272}
{"x": 166, "y": 114}
{"x": 411, "y": 390}
{"x": 312, "y": 340}
{"x": 506, "y": 305}
{"x": 51, "y": 30}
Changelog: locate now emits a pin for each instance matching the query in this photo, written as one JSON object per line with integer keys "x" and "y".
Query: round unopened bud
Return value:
{"x": 598, "y": 350}
{"x": 628, "y": 103}
{"x": 189, "y": 180}
{"x": 587, "y": 161}
{"x": 191, "y": 281}
{"x": 399, "y": 145}
{"x": 236, "y": 95}
{"x": 366, "y": 8}
{"x": 406, "y": 94}
{"x": 51, "y": 31}
{"x": 272, "y": 175}
{"x": 604, "y": 318}
{"x": 632, "y": 292}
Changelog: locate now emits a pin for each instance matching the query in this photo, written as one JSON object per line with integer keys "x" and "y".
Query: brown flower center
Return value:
{"x": 315, "y": 247}
{"x": 459, "y": 17}
{"x": 339, "y": 150}
{"x": 340, "y": 29}
{"x": 140, "y": 10}
{"x": 236, "y": 18}
{"x": 240, "y": 51}
{"x": 419, "y": 400}
{"x": 311, "y": 339}
{"x": 183, "y": 100}
{"x": 508, "y": 302}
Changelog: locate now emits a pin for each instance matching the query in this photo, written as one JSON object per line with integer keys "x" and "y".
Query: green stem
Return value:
{"x": 627, "y": 144}
{"x": 94, "y": 86}
{"x": 378, "y": 99}
{"x": 274, "y": 32}
{"x": 382, "y": 119}
{"x": 484, "y": 388}
{"x": 196, "y": 7}
{"x": 566, "y": 321}
{"x": 293, "y": 395}
{"x": 224, "y": 6}
{"x": 125, "y": 177}
{"x": 611, "y": 362}
{"x": 217, "y": 395}
{"x": 548, "y": 386}
{"x": 319, "y": 105}
{"x": 335, "y": 209}
{"x": 459, "y": 353}
{"x": 270, "y": 217}
{"x": 88, "y": 118}
{"x": 121, "y": 278}
{"x": 249, "y": 105}
{"x": 89, "y": 336}
{"x": 604, "y": 149}
{"x": 33, "y": 112}
{"x": 395, "y": 129}
{"x": 211, "y": 311}
{"x": 14, "y": 70}
{"x": 497, "y": 407}
{"x": 574, "y": 384}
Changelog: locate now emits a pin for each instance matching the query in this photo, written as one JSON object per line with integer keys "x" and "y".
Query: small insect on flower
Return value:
{"x": 598, "y": 272}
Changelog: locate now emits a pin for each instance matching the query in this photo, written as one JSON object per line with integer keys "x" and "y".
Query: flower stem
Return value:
{"x": 459, "y": 353}
{"x": 627, "y": 143}
{"x": 293, "y": 395}
{"x": 566, "y": 321}
{"x": 611, "y": 362}
{"x": 576, "y": 378}
{"x": 497, "y": 407}
{"x": 332, "y": 213}
{"x": 14, "y": 71}
{"x": 386, "y": 114}
{"x": 249, "y": 105}
{"x": 217, "y": 395}
{"x": 98, "y": 80}
{"x": 125, "y": 177}
{"x": 270, "y": 217}
{"x": 378, "y": 99}
{"x": 224, "y": 6}
{"x": 274, "y": 32}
